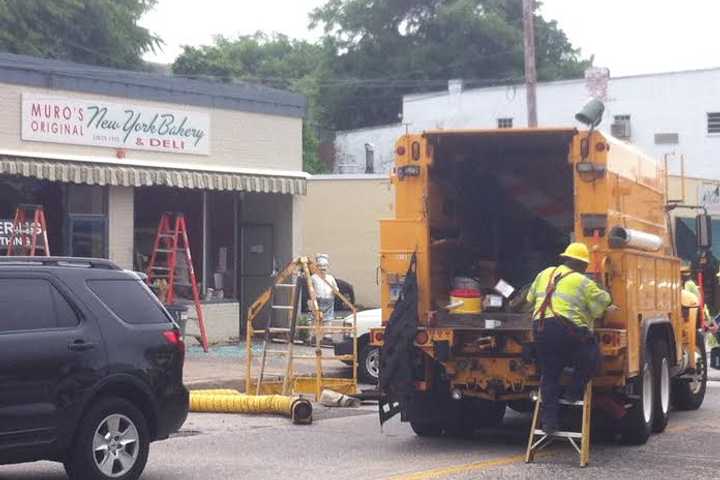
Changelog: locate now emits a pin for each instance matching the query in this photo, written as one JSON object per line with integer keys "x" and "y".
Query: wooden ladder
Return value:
{"x": 540, "y": 439}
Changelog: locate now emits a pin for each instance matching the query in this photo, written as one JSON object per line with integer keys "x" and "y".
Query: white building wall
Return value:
{"x": 660, "y": 103}
{"x": 350, "y": 148}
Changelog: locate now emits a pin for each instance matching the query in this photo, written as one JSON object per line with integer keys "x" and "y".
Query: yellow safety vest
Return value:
{"x": 576, "y": 297}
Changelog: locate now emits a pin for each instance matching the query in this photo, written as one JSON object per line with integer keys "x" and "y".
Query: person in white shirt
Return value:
{"x": 322, "y": 281}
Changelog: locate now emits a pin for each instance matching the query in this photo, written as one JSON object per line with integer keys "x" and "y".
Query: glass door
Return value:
{"x": 87, "y": 236}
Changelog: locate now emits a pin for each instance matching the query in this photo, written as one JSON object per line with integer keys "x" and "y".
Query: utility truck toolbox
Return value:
{"x": 485, "y": 205}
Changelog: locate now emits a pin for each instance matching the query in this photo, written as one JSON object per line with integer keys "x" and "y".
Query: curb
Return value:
{"x": 235, "y": 384}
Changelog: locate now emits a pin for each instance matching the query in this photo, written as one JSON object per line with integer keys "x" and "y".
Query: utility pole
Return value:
{"x": 530, "y": 72}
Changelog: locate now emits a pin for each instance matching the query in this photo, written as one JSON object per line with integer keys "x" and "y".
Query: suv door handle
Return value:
{"x": 81, "y": 346}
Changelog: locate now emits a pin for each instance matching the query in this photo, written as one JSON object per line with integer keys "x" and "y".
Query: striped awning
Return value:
{"x": 134, "y": 176}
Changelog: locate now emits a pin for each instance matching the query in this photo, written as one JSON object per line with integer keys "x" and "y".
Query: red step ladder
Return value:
{"x": 29, "y": 226}
{"x": 172, "y": 238}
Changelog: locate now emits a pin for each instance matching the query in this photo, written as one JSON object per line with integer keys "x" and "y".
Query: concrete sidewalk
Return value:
{"x": 224, "y": 365}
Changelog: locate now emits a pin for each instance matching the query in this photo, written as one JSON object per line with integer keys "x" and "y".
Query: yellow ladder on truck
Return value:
{"x": 540, "y": 439}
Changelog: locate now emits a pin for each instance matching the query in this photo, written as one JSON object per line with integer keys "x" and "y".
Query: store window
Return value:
{"x": 86, "y": 221}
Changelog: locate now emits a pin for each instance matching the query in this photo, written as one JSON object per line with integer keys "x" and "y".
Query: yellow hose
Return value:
{"x": 231, "y": 401}
{"x": 216, "y": 391}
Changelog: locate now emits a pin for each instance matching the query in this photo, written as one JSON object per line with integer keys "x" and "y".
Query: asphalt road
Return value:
{"x": 347, "y": 443}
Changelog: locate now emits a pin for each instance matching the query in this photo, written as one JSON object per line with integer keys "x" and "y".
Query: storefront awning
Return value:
{"x": 89, "y": 173}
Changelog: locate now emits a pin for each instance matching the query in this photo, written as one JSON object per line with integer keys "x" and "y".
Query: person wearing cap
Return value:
{"x": 325, "y": 286}
{"x": 565, "y": 305}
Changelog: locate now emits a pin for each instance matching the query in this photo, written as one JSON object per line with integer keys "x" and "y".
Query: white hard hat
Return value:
{"x": 322, "y": 258}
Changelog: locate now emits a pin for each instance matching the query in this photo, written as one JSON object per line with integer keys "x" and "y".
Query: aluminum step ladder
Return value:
{"x": 580, "y": 441}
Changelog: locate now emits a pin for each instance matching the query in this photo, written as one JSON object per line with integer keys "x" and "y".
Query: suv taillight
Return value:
{"x": 174, "y": 337}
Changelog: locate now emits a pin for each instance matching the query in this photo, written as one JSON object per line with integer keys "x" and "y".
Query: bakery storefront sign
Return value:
{"x": 100, "y": 124}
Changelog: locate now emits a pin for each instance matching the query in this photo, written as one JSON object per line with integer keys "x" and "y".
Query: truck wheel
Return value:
{"x": 661, "y": 385}
{"x": 521, "y": 406}
{"x": 369, "y": 364}
{"x": 488, "y": 413}
{"x": 689, "y": 394}
{"x": 638, "y": 422}
{"x": 474, "y": 413}
{"x": 426, "y": 429}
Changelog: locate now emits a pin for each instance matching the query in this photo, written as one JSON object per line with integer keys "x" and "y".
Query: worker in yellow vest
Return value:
{"x": 689, "y": 285}
{"x": 565, "y": 304}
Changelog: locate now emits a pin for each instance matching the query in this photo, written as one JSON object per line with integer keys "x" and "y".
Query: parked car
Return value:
{"x": 90, "y": 367}
{"x": 368, "y": 356}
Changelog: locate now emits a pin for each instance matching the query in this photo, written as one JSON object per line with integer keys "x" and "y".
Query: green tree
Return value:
{"x": 391, "y": 48}
{"x": 96, "y": 32}
{"x": 273, "y": 60}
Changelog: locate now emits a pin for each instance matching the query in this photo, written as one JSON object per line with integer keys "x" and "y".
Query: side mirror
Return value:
{"x": 703, "y": 229}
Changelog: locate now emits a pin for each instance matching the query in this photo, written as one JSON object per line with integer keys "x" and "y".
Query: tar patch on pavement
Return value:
{"x": 186, "y": 433}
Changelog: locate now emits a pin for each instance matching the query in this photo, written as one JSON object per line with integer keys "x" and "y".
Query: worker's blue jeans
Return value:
{"x": 559, "y": 344}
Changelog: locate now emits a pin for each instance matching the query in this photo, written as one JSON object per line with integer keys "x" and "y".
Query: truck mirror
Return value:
{"x": 703, "y": 229}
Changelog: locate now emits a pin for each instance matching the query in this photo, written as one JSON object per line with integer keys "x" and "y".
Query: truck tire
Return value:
{"x": 638, "y": 421}
{"x": 521, "y": 406}
{"x": 474, "y": 413}
{"x": 661, "y": 385}
{"x": 689, "y": 394}
{"x": 426, "y": 429}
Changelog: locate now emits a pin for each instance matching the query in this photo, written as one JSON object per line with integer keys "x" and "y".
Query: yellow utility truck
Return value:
{"x": 478, "y": 214}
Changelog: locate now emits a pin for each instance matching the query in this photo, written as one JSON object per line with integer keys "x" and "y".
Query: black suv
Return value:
{"x": 90, "y": 367}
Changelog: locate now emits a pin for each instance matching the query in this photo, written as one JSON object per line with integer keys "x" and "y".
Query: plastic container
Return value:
{"x": 468, "y": 300}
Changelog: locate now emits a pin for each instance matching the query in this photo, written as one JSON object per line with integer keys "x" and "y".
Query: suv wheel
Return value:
{"x": 112, "y": 442}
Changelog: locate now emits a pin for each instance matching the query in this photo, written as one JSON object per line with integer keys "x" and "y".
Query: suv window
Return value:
{"x": 130, "y": 300}
{"x": 33, "y": 304}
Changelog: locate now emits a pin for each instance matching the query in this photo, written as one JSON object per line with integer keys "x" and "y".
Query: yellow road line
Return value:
{"x": 457, "y": 469}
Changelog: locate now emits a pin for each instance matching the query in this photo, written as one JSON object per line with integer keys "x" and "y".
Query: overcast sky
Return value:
{"x": 628, "y": 36}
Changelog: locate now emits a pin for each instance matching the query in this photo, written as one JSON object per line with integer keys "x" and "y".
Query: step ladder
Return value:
{"x": 171, "y": 241}
{"x": 288, "y": 285}
{"x": 580, "y": 441}
{"x": 29, "y": 226}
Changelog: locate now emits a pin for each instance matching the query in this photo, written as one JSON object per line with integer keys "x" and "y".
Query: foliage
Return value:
{"x": 391, "y": 48}
{"x": 374, "y": 52}
{"x": 97, "y": 32}
{"x": 273, "y": 60}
